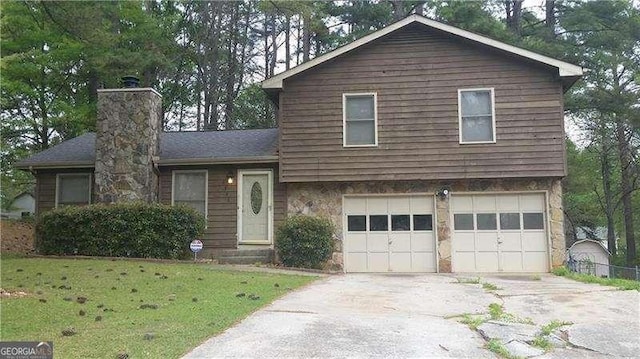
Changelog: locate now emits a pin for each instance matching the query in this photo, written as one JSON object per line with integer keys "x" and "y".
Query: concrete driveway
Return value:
{"x": 417, "y": 316}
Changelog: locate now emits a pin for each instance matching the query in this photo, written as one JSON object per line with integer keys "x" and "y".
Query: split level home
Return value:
{"x": 431, "y": 148}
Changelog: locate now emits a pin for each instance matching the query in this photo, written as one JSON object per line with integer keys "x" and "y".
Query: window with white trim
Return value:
{"x": 477, "y": 116}
{"x": 190, "y": 188}
{"x": 73, "y": 189}
{"x": 360, "y": 120}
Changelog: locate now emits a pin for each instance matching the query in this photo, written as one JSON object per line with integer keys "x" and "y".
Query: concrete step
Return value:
{"x": 240, "y": 256}
{"x": 241, "y": 252}
{"x": 244, "y": 260}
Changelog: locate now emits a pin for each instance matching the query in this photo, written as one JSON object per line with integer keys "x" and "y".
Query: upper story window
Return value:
{"x": 477, "y": 116}
{"x": 360, "y": 120}
{"x": 190, "y": 188}
{"x": 73, "y": 189}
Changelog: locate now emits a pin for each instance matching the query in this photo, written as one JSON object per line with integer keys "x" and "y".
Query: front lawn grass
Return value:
{"x": 183, "y": 304}
{"x": 624, "y": 284}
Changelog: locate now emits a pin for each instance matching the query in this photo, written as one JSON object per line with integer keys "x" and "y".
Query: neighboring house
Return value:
{"x": 430, "y": 148}
{"x": 23, "y": 205}
{"x": 593, "y": 255}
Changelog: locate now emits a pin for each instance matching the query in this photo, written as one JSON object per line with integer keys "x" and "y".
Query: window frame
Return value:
{"x": 206, "y": 189}
{"x": 375, "y": 117}
{"x": 73, "y": 174}
{"x": 493, "y": 115}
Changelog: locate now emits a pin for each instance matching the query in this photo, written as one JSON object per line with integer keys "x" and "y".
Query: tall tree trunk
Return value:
{"x": 212, "y": 94}
{"x": 318, "y": 46}
{"x": 298, "y": 40}
{"x": 274, "y": 46}
{"x": 199, "y": 104}
{"x": 306, "y": 38}
{"x": 93, "y": 85}
{"x": 514, "y": 15}
{"x": 550, "y": 17}
{"x": 397, "y": 7}
{"x": 626, "y": 190}
{"x": 232, "y": 65}
{"x": 605, "y": 166}
{"x": 44, "y": 115}
{"x": 266, "y": 46}
{"x": 287, "y": 41}
{"x": 420, "y": 9}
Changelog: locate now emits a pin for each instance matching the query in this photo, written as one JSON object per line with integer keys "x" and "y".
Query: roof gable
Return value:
{"x": 565, "y": 70}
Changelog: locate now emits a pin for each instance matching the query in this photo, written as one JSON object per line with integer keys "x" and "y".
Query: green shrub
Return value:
{"x": 305, "y": 241}
{"x": 119, "y": 230}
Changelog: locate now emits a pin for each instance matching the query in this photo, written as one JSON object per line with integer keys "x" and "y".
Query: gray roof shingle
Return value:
{"x": 174, "y": 147}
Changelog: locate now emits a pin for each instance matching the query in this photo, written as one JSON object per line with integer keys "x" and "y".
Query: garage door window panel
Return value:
{"x": 510, "y": 221}
{"x": 422, "y": 222}
{"x": 378, "y": 223}
{"x": 533, "y": 220}
{"x": 486, "y": 221}
{"x": 356, "y": 223}
{"x": 463, "y": 222}
{"x": 400, "y": 222}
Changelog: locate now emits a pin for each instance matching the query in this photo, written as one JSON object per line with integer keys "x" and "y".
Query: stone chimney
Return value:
{"x": 127, "y": 143}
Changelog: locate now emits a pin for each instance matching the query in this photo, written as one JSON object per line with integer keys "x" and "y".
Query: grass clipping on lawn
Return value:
{"x": 144, "y": 309}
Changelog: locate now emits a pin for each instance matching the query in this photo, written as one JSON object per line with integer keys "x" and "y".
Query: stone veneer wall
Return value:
{"x": 325, "y": 199}
{"x": 127, "y": 141}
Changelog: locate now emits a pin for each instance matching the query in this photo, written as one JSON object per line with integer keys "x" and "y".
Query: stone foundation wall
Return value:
{"x": 325, "y": 199}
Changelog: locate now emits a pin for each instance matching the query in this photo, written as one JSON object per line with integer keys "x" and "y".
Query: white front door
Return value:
{"x": 255, "y": 206}
{"x": 389, "y": 234}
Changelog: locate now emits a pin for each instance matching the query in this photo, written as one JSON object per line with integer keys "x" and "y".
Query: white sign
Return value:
{"x": 196, "y": 245}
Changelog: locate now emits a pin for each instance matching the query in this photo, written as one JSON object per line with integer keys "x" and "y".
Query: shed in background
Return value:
{"x": 589, "y": 251}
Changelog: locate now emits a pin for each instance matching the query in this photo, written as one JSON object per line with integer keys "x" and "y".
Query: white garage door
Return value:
{"x": 389, "y": 234}
{"x": 499, "y": 233}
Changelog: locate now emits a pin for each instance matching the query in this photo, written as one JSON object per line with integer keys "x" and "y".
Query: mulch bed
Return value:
{"x": 17, "y": 236}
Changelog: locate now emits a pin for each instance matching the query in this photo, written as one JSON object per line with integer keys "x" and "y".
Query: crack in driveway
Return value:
{"x": 289, "y": 311}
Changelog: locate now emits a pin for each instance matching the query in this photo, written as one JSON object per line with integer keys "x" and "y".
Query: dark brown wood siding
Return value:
{"x": 46, "y": 187}
{"x": 222, "y": 219}
{"x": 416, "y": 74}
{"x": 222, "y": 199}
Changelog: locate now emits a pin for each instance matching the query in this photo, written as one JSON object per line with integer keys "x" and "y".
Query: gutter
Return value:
{"x": 52, "y": 165}
{"x": 161, "y": 162}
{"x": 216, "y": 161}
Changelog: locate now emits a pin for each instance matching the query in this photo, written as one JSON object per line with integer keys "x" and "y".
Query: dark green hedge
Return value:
{"x": 305, "y": 241}
{"x": 119, "y": 230}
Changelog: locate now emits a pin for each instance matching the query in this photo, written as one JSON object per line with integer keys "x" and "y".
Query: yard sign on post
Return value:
{"x": 196, "y": 246}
